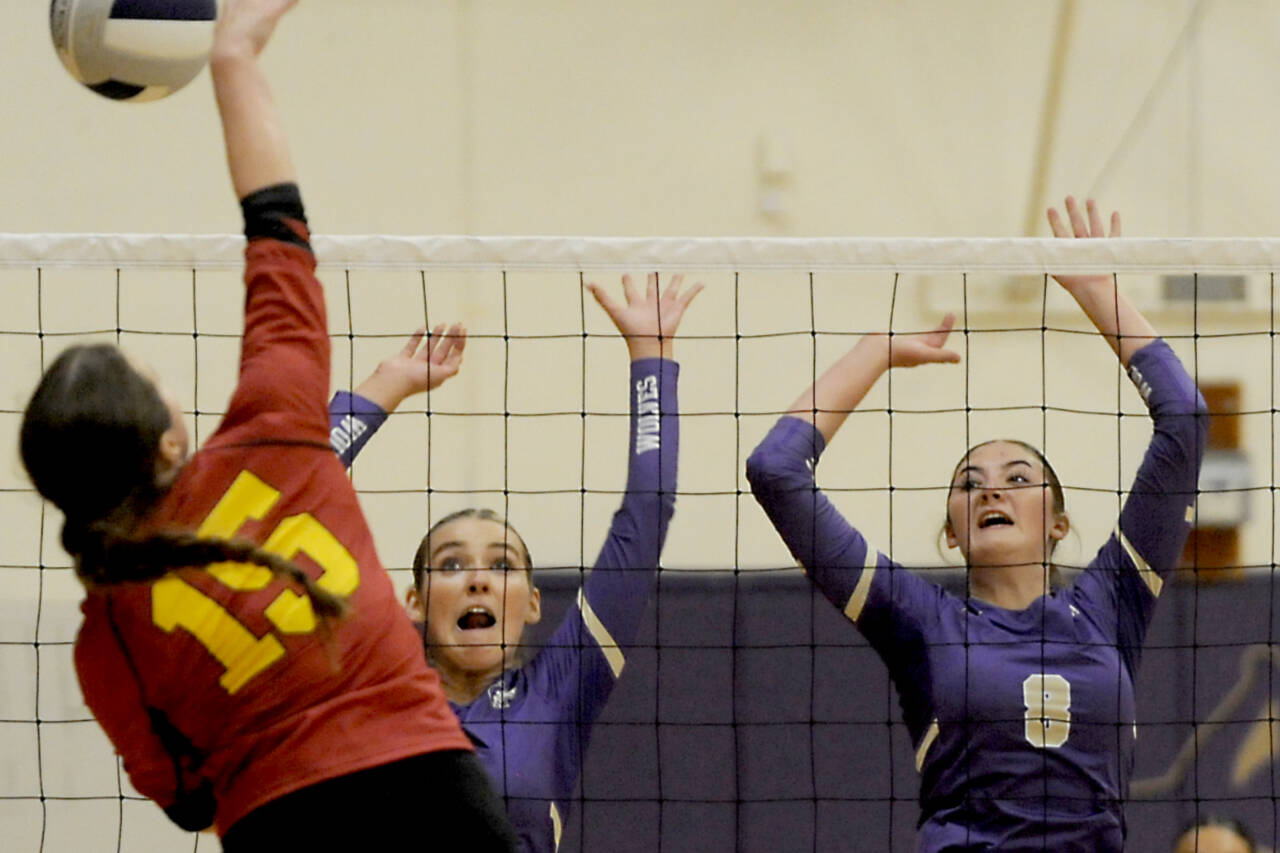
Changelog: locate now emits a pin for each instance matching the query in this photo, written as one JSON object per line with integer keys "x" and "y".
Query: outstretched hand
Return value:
{"x": 839, "y": 390}
{"x": 648, "y": 322}
{"x": 420, "y": 365}
{"x": 257, "y": 149}
{"x": 1121, "y": 324}
{"x": 245, "y": 26}
{"x": 919, "y": 348}
{"x": 1081, "y": 227}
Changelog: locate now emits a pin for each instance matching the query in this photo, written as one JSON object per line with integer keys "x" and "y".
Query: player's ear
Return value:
{"x": 414, "y": 604}
{"x": 534, "y": 616}
{"x": 170, "y": 456}
{"x": 1060, "y": 528}
{"x": 949, "y": 534}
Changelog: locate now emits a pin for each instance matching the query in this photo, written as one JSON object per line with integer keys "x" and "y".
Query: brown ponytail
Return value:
{"x": 90, "y": 442}
{"x": 105, "y": 556}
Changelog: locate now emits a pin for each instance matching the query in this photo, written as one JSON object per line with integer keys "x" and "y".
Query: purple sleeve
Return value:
{"x": 622, "y": 578}
{"x": 892, "y": 607}
{"x": 1155, "y": 516}
{"x": 1127, "y": 574}
{"x": 352, "y": 422}
{"x": 602, "y": 624}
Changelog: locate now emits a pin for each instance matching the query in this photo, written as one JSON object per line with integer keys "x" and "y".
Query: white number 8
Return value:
{"x": 1047, "y": 698}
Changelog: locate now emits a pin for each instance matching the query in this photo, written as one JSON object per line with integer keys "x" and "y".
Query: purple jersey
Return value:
{"x": 1023, "y": 721}
{"x": 531, "y": 727}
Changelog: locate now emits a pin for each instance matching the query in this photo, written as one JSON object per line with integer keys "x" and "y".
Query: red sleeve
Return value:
{"x": 111, "y": 690}
{"x": 284, "y": 360}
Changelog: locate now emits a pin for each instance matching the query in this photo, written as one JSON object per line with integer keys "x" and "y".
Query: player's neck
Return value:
{"x": 1011, "y": 587}
{"x": 462, "y": 684}
{"x": 462, "y": 687}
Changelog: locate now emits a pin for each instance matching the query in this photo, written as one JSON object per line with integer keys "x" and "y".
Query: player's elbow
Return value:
{"x": 194, "y": 810}
{"x": 759, "y": 470}
{"x": 766, "y": 472}
{"x": 1200, "y": 418}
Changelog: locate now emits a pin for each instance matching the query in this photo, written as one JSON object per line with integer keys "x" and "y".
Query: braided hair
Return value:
{"x": 90, "y": 441}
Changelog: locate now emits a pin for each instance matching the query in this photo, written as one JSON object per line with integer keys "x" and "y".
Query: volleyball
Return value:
{"x": 133, "y": 50}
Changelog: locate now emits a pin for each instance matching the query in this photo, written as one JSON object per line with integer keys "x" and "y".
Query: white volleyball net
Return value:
{"x": 736, "y": 729}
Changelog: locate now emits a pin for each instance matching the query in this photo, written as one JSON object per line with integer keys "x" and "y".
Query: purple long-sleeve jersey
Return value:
{"x": 1023, "y": 721}
{"x": 531, "y": 727}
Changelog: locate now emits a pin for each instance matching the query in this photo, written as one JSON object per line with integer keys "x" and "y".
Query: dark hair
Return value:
{"x": 90, "y": 441}
{"x": 1051, "y": 478}
{"x": 1210, "y": 820}
{"x": 422, "y": 557}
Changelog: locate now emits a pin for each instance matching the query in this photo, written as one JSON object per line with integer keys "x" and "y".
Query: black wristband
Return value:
{"x": 270, "y": 212}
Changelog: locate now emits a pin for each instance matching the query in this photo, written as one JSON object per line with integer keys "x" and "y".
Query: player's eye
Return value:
{"x": 449, "y": 564}
{"x": 969, "y": 484}
{"x": 1020, "y": 479}
{"x": 502, "y": 564}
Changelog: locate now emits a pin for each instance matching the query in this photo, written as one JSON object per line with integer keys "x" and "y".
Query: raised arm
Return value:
{"x": 620, "y": 583}
{"x": 890, "y": 606}
{"x": 1129, "y": 570}
{"x": 781, "y": 469}
{"x": 1126, "y": 577}
{"x": 828, "y": 402}
{"x": 1153, "y": 524}
{"x": 1122, "y": 326}
{"x": 584, "y": 657}
{"x": 257, "y": 152}
{"x": 422, "y": 364}
{"x": 285, "y": 352}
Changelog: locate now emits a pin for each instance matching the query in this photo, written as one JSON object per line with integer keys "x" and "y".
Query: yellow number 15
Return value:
{"x": 176, "y": 604}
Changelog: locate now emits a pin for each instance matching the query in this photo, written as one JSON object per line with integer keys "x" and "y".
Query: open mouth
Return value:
{"x": 476, "y": 618}
{"x": 992, "y": 519}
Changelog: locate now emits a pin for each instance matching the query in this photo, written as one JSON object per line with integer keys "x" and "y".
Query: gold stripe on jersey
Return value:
{"x": 857, "y": 601}
{"x": 557, "y": 826}
{"x": 930, "y": 735}
{"x": 601, "y": 635}
{"x": 1153, "y": 581}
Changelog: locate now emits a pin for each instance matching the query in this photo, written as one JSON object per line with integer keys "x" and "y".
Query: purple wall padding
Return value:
{"x": 761, "y": 721}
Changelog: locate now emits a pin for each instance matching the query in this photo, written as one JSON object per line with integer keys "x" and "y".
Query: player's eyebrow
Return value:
{"x": 505, "y": 546}
{"x": 967, "y": 468}
{"x": 445, "y": 546}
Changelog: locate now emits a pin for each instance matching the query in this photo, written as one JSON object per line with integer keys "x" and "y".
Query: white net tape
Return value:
{"x": 1003, "y": 255}
{"x": 533, "y": 426}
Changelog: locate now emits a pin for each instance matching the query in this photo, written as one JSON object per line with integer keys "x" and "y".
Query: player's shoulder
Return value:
{"x": 938, "y": 589}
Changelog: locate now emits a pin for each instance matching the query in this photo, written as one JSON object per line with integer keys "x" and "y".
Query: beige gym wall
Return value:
{"x": 885, "y": 118}
{"x": 632, "y": 118}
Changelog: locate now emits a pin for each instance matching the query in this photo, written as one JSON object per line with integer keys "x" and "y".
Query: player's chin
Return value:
{"x": 477, "y": 641}
{"x": 987, "y": 555}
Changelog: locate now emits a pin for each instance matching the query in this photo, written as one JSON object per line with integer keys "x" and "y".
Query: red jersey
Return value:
{"x": 262, "y": 700}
